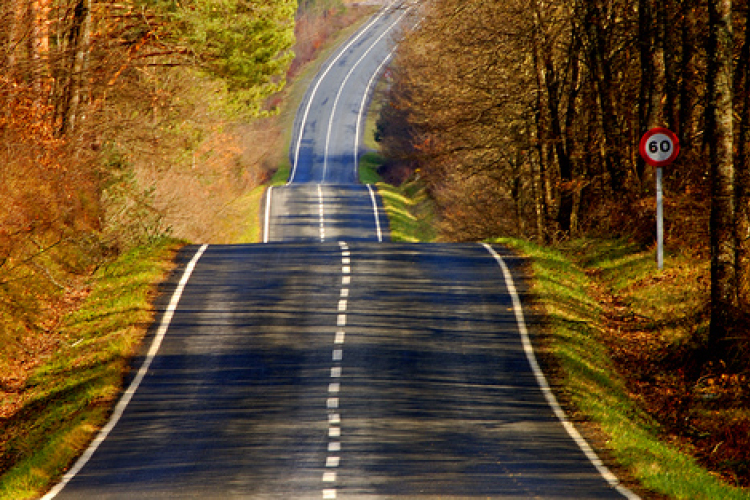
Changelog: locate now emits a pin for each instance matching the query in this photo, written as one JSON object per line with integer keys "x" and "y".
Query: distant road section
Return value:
{"x": 326, "y": 146}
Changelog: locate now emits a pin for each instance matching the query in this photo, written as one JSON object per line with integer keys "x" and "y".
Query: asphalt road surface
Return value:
{"x": 326, "y": 364}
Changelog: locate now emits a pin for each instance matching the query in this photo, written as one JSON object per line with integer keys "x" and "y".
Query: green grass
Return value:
{"x": 248, "y": 208}
{"x": 409, "y": 211}
{"x": 69, "y": 397}
{"x": 588, "y": 380}
{"x": 368, "y": 168}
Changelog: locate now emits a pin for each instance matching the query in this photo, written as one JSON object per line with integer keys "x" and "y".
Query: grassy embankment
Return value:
{"x": 69, "y": 397}
{"x": 573, "y": 284}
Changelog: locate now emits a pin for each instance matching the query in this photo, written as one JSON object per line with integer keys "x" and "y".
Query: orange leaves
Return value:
{"x": 41, "y": 191}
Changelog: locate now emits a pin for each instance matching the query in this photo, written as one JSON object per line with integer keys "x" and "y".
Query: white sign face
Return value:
{"x": 659, "y": 147}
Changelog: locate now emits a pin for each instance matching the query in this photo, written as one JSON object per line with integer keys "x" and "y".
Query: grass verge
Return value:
{"x": 410, "y": 212}
{"x": 369, "y": 164}
{"x": 587, "y": 379}
{"x": 69, "y": 397}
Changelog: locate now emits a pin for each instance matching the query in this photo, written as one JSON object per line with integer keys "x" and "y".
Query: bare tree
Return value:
{"x": 720, "y": 127}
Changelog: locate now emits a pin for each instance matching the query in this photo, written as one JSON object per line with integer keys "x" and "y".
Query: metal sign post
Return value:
{"x": 659, "y": 221}
{"x": 659, "y": 147}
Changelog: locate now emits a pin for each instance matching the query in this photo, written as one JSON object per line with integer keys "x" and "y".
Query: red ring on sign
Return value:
{"x": 644, "y": 144}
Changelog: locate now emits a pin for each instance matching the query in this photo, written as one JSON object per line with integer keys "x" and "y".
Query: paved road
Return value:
{"x": 323, "y": 200}
{"x": 324, "y": 212}
{"x": 341, "y": 370}
{"x": 326, "y": 364}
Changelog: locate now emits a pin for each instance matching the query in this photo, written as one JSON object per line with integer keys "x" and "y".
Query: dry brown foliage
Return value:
{"x": 49, "y": 211}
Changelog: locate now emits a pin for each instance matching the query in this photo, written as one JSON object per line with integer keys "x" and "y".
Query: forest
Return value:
{"x": 524, "y": 119}
{"x": 110, "y": 113}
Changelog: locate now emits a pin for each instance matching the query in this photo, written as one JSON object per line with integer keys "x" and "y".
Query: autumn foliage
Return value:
{"x": 97, "y": 100}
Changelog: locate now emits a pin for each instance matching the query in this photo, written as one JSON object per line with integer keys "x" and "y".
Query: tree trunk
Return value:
{"x": 686, "y": 127}
{"x": 722, "y": 218}
{"x": 74, "y": 75}
{"x": 604, "y": 85}
{"x": 39, "y": 41}
{"x": 17, "y": 14}
{"x": 742, "y": 182}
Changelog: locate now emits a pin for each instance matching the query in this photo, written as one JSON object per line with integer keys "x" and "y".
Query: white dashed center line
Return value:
{"x": 321, "y": 214}
{"x": 333, "y": 459}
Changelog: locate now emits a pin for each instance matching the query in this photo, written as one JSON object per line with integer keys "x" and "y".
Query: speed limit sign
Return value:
{"x": 659, "y": 147}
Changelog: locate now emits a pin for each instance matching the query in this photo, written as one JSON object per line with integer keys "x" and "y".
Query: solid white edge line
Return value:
{"x": 341, "y": 90}
{"x": 376, "y": 212}
{"x": 133, "y": 387}
{"x": 547, "y": 390}
{"x": 320, "y": 80}
{"x": 360, "y": 115}
{"x": 267, "y": 223}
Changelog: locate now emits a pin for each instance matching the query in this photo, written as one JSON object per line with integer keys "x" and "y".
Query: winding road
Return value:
{"x": 331, "y": 363}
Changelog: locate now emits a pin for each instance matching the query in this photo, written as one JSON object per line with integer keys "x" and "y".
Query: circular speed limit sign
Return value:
{"x": 659, "y": 147}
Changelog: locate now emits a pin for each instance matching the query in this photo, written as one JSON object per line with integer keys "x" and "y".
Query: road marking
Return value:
{"x": 320, "y": 80}
{"x": 333, "y": 458}
{"x": 267, "y": 224}
{"x": 545, "y": 387}
{"x": 363, "y": 107}
{"x": 166, "y": 319}
{"x": 321, "y": 214}
{"x": 376, "y": 212}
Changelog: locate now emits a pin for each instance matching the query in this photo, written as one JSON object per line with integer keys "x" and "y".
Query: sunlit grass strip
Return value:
{"x": 71, "y": 395}
{"x": 409, "y": 213}
{"x": 591, "y": 384}
{"x": 248, "y": 229}
{"x": 368, "y": 168}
